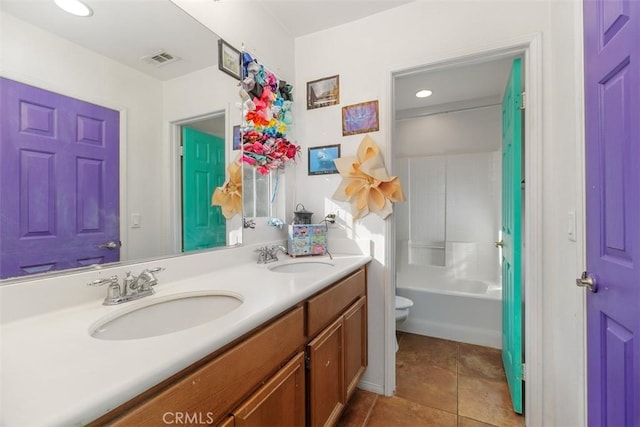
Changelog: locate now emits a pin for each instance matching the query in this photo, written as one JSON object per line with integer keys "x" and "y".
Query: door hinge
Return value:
{"x": 181, "y": 150}
{"x": 307, "y": 362}
{"x": 524, "y": 372}
{"x": 523, "y": 97}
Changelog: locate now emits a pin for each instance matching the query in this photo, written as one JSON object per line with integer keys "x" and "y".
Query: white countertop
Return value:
{"x": 54, "y": 373}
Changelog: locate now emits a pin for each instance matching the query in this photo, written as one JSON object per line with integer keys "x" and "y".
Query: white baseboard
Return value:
{"x": 372, "y": 387}
{"x": 452, "y": 332}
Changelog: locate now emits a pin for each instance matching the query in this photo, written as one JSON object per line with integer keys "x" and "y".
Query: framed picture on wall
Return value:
{"x": 321, "y": 159}
{"x": 360, "y": 118}
{"x": 237, "y": 138}
{"x": 229, "y": 59}
{"x": 323, "y": 92}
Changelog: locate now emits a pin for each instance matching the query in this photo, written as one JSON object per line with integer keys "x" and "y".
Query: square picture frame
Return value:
{"x": 229, "y": 59}
{"x": 237, "y": 138}
{"x": 360, "y": 118}
{"x": 321, "y": 159}
{"x": 323, "y": 92}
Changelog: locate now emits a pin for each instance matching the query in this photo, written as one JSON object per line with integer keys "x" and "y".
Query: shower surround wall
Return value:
{"x": 446, "y": 259}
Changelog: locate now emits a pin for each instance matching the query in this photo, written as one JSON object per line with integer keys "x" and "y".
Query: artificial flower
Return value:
{"x": 229, "y": 195}
{"x": 366, "y": 183}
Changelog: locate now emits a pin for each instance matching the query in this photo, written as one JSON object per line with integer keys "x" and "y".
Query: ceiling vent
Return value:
{"x": 160, "y": 59}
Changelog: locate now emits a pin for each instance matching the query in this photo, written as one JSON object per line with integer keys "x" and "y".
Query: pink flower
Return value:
{"x": 249, "y": 160}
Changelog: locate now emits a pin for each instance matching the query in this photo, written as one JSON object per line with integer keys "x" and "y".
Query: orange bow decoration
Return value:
{"x": 366, "y": 183}
{"x": 229, "y": 196}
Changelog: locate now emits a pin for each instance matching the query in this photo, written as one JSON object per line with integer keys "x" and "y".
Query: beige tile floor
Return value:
{"x": 438, "y": 383}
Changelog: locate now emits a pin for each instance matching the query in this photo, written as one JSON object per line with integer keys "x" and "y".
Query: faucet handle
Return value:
{"x": 113, "y": 293}
{"x": 110, "y": 281}
{"x": 156, "y": 270}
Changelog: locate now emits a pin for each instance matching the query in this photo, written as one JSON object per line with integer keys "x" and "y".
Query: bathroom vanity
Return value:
{"x": 261, "y": 380}
{"x": 291, "y": 354}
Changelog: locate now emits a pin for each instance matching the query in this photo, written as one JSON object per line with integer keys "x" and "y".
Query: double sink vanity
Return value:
{"x": 222, "y": 341}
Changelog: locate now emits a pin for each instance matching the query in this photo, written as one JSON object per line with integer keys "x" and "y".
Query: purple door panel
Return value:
{"x": 612, "y": 108}
{"x": 59, "y": 181}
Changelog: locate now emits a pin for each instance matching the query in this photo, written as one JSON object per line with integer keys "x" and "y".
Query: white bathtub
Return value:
{"x": 468, "y": 311}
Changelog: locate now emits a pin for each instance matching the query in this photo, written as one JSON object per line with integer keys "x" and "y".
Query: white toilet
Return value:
{"x": 402, "y": 311}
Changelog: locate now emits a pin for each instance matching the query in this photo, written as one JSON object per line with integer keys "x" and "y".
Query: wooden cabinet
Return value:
{"x": 280, "y": 402}
{"x": 212, "y": 390}
{"x": 326, "y": 375}
{"x": 338, "y": 354}
{"x": 262, "y": 380}
{"x": 355, "y": 344}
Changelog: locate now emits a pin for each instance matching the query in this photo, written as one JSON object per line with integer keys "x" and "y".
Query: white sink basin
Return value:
{"x": 165, "y": 315}
{"x": 302, "y": 267}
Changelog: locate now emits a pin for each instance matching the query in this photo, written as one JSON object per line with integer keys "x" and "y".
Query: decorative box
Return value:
{"x": 307, "y": 239}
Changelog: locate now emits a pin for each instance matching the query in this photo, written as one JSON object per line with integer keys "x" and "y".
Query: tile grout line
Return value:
{"x": 366, "y": 418}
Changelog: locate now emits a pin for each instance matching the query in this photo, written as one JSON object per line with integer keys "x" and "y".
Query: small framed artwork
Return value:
{"x": 321, "y": 159}
{"x": 229, "y": 59}
{"x": 360, "y": 118}
{"x": 323, "y": 92}
{"x": 237, "y": 138}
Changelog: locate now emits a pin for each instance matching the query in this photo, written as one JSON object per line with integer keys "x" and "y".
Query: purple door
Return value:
{"x": 612, "y": 106}
{"x": 59, "y": 181}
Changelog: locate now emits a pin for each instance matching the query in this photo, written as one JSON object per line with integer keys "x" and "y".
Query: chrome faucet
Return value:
{"x": 269, "y": 254}
{"x": 133, "y": 287}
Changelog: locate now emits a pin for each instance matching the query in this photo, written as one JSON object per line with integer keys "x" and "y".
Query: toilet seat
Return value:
{"x": 403, "y": 303}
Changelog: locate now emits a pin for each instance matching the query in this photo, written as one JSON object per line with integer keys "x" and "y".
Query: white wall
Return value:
{"x": 251, "y": 25}
{"x": 470, "y": 131}
{"x": 365, "y": 52}
{"x": 203, "y": 92}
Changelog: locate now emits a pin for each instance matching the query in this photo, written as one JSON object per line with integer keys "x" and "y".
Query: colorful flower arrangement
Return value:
{"x": 267, "y": 115}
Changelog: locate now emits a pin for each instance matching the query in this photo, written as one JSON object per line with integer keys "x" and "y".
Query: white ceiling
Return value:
{"x": 302, "y": 17}
{"x": 454, "y": 87}
{"x": 127, "y": 30}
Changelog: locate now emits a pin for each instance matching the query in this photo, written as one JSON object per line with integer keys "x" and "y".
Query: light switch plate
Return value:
{"x": 135, "y": 220}
{"x": 571, "y": 226}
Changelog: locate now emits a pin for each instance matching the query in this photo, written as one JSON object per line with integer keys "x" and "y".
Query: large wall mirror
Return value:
{"x": 141, "y": 73}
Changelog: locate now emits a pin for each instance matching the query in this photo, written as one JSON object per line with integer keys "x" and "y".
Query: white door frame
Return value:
{"x": 175, "y": 171}
{"x": 530, "y": 47}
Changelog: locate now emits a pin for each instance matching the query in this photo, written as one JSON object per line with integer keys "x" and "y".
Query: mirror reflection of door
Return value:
{"x": 203, "y": 169}
{"x": 61, "y": 154}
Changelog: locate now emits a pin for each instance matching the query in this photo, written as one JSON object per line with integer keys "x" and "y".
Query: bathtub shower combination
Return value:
{"x": 447, "y": 263}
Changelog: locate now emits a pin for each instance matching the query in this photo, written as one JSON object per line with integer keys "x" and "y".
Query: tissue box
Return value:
{"x": 307, "y": 239}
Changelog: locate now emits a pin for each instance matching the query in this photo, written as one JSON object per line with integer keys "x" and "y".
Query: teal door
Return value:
{"x": 203, "y": 225}
{"x": 512, "y": 234}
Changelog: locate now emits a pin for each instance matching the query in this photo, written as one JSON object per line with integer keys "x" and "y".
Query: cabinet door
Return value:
{"x": 326, "y": 375}
{"x": 280, "y": 402}
{"x": 227, "y": 422}
{"x": 355, "y": 344}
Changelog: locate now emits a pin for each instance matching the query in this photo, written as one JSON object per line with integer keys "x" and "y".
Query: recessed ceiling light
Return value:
{"x": 74, "y": 7}
{"x": 423, "y": 93}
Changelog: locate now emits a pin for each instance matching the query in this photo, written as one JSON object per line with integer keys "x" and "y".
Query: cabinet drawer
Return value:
{"x": 326, "y": 306}
{"x": 213, "y": 390}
